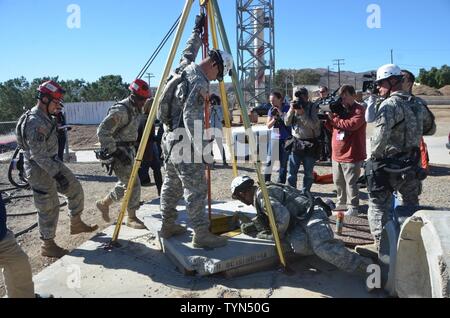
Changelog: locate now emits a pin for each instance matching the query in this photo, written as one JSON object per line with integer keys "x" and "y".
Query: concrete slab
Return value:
{"x": 139, "y": 270}
{"x": 86, "y": 156}
{"x": 437, "y": 151}
{"x": 240, "y": 251}
{"x": 423, "y": 256}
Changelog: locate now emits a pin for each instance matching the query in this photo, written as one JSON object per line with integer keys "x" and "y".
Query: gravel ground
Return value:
{"x": 96, "y": 184}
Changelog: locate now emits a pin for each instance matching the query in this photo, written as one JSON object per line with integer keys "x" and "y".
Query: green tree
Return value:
{"x": 436, "y": 78}
{"x": 106, "y": 88}
{"x": 286, "y": 78}
{"x": 74, "y": 89}
{"x": 12, "y": 98}
{"x": 443, "y": 77}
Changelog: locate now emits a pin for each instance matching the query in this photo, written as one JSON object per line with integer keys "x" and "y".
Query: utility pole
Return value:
{"x": 338, "y": 63}
{"x": 328, "y": 75}
{"x": 286, "y": 82}
{"x": 150, "y": 76}
{"x": 392, "y": 56}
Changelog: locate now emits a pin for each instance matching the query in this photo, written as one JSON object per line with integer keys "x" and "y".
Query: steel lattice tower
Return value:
{"x": 256, "y": 49}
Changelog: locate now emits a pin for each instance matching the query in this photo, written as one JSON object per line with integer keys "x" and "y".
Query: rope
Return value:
{"x": 159, "y": 48}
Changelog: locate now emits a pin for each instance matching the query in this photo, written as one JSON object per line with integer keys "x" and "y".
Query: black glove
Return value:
{"x": 62, "y": 181}
{"x": 265, "y": 235}
{"x": 122, "y": 156}
{"x": 199, "y": 23}
{"x": 249, "y": 229}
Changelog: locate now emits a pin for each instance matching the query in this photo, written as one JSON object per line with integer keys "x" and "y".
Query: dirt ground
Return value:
{"x": 85, "y": 137}
{"x": 96, "y": 185}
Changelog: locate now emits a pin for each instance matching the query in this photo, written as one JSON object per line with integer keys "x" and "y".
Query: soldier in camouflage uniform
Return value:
{"x": 412, "y": 190}
{"x": 117, "y": 135}
{"x": 47, "y": 175}
{"x": 305, "y": 229}
{"x": 188, "y": 176}
{"x": 398, "y": 129}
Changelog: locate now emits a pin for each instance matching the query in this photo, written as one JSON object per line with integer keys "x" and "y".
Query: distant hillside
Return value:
{"x": 347, "y": 77}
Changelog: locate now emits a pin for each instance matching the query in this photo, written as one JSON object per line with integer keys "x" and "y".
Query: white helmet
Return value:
{"x": 387, "y": 71}
{"x": 224, "y": 59}
{"x": 239, "y": 184}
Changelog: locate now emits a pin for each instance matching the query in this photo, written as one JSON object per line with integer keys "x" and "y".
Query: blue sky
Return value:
{"x": 117, "y": 36}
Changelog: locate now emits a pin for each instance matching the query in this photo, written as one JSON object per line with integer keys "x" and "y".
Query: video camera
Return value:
{"x": 298, "y": 103}
{"x": 276, "y": 114}
{"x": 331, "y": 104}
{"x": 370, "y": 86}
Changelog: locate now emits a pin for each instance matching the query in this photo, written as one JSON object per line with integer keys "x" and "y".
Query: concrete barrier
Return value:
{"x": 423, "y": 256}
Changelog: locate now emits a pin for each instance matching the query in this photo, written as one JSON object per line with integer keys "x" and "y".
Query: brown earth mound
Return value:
{"x": 426, "y": 90}
{"x": 445, "y": 90}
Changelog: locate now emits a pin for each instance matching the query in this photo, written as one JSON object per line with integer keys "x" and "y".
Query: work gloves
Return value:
{"x": 249, "y": 229}
{"x": 199, "y": 23}
{"x": 122, "y": 156}
{"x": 63, "y": 183}
{"x": 265, "y": 235}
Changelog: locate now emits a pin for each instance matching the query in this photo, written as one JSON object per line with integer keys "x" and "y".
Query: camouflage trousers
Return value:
{"x": 381, "y": 204}
{"x": 188, "y": 180}
{"x": 409, "y": 193}
{"x": 315, "y": 237}
{"x": 45, "y": 194}
{"x": 123, "y": 173}
{"x": 16, "y": 269}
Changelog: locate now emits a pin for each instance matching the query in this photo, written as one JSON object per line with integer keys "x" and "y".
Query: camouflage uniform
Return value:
{"x": 398, "y": 129}
{"x": 310, "y": 235}
{"x": 187, "y": 177}
{"x": 16, "y": 268}
{"x": 118, "y": 130}
{"x": 411, "y": 191}
{"x": 38, "y": 137}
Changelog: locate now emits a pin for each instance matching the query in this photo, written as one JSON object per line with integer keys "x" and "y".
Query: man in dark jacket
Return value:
{"x": 151, "y": 154}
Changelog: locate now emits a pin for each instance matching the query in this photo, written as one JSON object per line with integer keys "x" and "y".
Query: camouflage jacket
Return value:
{"x": 288, "y": 205}
{"x": 193, "y": 103}
{"x": 118, "y": 127}
{"x": 429, "y": 124}
{"x": 398, "y": 126}
{"x": 38, "y": 137}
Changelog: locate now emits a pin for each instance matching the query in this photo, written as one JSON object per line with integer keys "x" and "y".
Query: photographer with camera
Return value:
{"x": 279, "y": 134}
{"x": 393, "y": 164}
{"x": 374, "y": 100}
{"x": 348, "y": 126}
{"x": 305, "y": 144}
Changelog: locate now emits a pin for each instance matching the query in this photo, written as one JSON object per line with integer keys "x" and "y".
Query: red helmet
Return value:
{"x": 52, "y": 89}
{"x": 140, "y": 88}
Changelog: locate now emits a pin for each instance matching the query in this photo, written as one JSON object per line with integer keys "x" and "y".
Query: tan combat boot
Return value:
{"x": 77, "y": 226}
{"x": 204, "y": 239}
{"x": 370, "y": 251}
{"x": 134, "y": 222}
{"x": 50, "y": 249}
{"x": 169, "y": 229}
{"x": 103, "y": 206}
